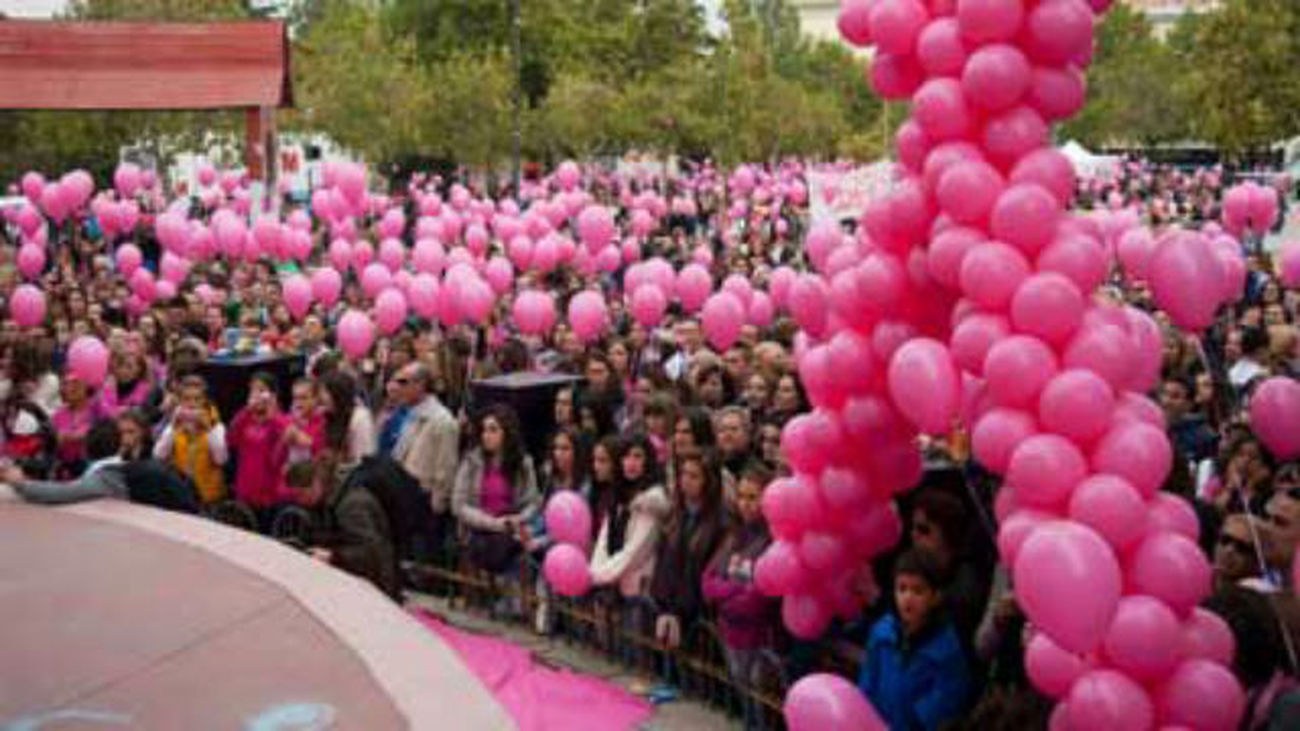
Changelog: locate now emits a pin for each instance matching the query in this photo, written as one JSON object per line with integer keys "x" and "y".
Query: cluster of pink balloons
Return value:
{"x": 568, "y": 522}
{"x": 1250, "y": 208}
{"x": 1051, "y": 381}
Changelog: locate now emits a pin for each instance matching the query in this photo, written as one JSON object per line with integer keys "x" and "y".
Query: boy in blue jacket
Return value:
{"x": 915, "y": 673}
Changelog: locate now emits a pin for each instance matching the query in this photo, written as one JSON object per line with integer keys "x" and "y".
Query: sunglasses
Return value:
{"x": 1236, "y": 544}
{"x": 401, "y": 381}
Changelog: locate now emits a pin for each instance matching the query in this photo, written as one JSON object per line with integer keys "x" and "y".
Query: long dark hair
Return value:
{"x": 512, "y": 443}
{"x": 701, "y": 425}
{"x": 581, "y": 462}
{"x": 342, "y": 390}
{"x": 625, "y": 490}
{"x": 711, "y": 500}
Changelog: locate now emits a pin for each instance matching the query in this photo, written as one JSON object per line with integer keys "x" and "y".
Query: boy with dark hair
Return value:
{"x": 915, "y": 672}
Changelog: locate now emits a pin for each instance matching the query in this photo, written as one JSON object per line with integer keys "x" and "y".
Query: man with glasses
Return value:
{"x": 423, "y": 437}
{"x": 1235, "y": 557}
{"x": 1282, "y": 531}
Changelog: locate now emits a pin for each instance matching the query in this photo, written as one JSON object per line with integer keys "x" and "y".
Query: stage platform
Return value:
{"x": 115, "y": 615}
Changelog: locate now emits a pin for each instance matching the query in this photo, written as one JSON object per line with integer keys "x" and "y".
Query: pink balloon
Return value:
{"x": 375, "y": 278}
{"x": 761, "y": 310}
{"x": 1048, "y": 168}
{"x": 31, "y": 260}
{"x": 948, "y": 250}
{"x": 1058, "y": 31}
{"x": 1025, "y": 216}
{"x": 355, "y": 333}
{"x": 1135, "y": 248}
{"x": 1136, "y": 451}
{"x": 144, "y": 285}
{"x": 1044, "y": 469}
{"x": 649, "y": 304}
{"x": 390, "y": 310}
{"x": 1182, "y": 270}
{"x": 392, "y": 254}
{"x": 1275, "y": 416}
{"x": 1013, "y": 134}
{"x": 1105, "y": 699}
{"x": 326, "y": 285}
{"x": 1169, "y": 512}
{"x": 940, "y": 107}
{"x": 912, "y": 145}
{"x": 968, "y": 190}
{"x": 722, "y": 318}
{"x": 424, "y": 294}
{"x": 588, "y": 315}
{"x": 974, "y": 336}
{"x": 1076, "y": 256}
{"x": 806, "y": 616}
{"x": 779, "y": 571}
{"x": 1171, "y": 568}
{"x": 1144, "y": 639}
{"x": 996, "y": 76}
{"x": 924, "y": 385}
{"x": 499, "y": 275}
{"x": 534, "y": 312}
{"x": 1111, "y": 506}
{"x": 991, "y": 273}
{"x": 128, "y": 259}
{"x": 296, "y": 292}
{"x": 985, "y": 21}
{"x": 87, "y": 359}
{"x": 825, "y": 702}
{"x": 1068, "y": 583}
{"x": 1048, "y": 306}
{"x": 996, "y": 435}
{"x": 565, "y": 569}
{"x": 1104, "y": 349}
{"x": 568, "y": 518}
{"x": 596, "y": 227}
{"x": 1203, "y": 696}
{"x": 1076, "y": 404}
{"x": 1017, "y": 368}
{"x": 1052, "y": 670}
{"x": 895, "y": 25}
{"x": 854, "y": 21}
{"x": 940, "y": 48}
{"x": 27, "y": 306}
{"x": 1208, "y": 637}
{"x": 823, "y": 552}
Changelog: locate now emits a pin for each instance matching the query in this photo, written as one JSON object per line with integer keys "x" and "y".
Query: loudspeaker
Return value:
{"x": 532, "y": 396}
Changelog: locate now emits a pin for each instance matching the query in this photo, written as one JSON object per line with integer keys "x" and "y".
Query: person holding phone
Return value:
{"x": 194, "y": 440}
{"x": 256, "y": 434}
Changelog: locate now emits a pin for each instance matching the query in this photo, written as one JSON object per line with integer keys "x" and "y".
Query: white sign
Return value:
{"x": 844, "y": 194}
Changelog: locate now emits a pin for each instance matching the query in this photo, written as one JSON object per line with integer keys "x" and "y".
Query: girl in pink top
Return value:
{"x": 255, "y": 436}
{"x": 304, "y": 436}
{"x": 71, "y": 422}
{"x": 130, "y": 386}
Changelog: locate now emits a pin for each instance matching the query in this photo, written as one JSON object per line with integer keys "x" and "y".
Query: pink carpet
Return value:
{"x": 537, "y": 697}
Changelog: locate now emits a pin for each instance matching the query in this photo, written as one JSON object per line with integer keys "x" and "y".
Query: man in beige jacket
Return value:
{"x": 424, "y": 437}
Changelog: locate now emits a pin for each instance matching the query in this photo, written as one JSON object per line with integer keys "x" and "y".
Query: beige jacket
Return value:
{"x": 428, "y": 448}
{"x": 632, "y": 567}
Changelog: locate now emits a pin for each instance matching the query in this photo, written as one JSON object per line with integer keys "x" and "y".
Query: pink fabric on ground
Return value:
{"x": 537, "y": 697}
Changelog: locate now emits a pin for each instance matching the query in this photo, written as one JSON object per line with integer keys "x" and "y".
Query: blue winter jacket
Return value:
{"x": 919, "y": 683}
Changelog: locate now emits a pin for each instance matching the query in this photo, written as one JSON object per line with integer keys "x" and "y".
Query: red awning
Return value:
{"x": 58, "y": 65}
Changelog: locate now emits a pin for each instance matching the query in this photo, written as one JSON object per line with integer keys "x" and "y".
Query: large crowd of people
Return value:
{"x": 669, "y": 442}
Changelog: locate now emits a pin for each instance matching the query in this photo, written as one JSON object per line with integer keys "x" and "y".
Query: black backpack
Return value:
{"x": 151, "y": 482}
{"x": 405, "y": 505}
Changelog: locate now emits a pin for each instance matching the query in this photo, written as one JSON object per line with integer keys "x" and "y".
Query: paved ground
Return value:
{"x": 684, "y": 714}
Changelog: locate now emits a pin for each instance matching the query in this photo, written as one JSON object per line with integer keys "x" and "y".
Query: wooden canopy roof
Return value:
{"x": 110, "y": 65}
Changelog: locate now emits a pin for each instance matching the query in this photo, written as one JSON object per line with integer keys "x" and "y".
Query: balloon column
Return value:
{"x": 970, "y": 298}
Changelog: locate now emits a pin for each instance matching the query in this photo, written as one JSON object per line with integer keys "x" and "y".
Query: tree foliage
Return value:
{"x": 1240, "y": 63}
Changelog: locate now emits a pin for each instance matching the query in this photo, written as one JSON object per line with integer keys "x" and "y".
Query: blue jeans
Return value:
{"x": 743, "y": 667}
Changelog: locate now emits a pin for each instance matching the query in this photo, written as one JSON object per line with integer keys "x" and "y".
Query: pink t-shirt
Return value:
{"x": 71, "y": 428}
{"x": 495, "y": 494}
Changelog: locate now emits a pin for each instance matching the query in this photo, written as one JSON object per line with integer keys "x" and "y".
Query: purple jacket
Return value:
{"x": 746, "y": 618}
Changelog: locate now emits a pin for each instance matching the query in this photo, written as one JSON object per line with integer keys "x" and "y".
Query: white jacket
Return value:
{"x": 632, "y": 567}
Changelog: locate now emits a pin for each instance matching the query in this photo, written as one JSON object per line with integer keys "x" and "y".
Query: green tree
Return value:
{"x": 1241, "y": 63}
{"x": 1134, "y": 87}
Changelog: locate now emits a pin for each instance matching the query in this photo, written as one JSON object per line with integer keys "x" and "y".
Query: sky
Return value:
{"x": 31, "y": 8}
